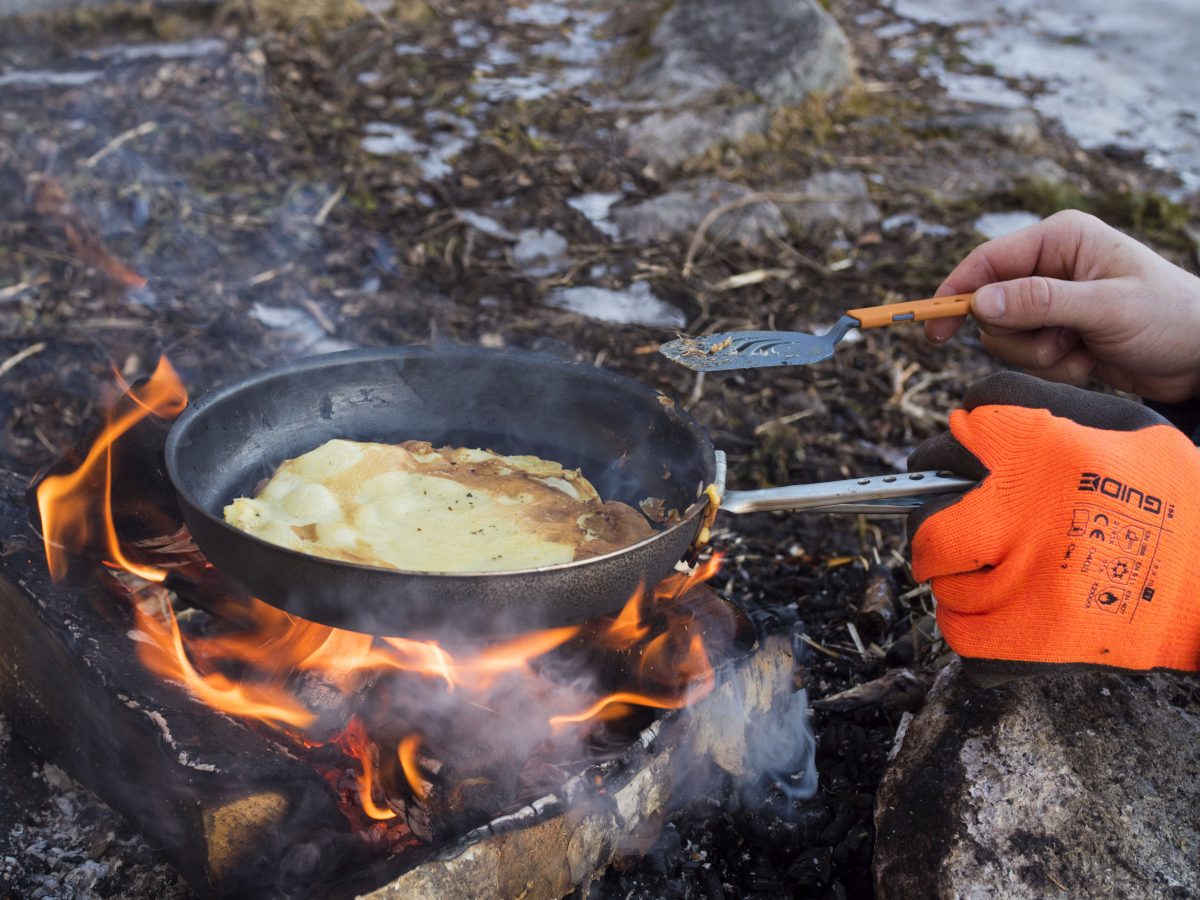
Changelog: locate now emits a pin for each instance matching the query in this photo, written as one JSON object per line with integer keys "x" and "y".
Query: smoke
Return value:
{"x": 484, "y": 741}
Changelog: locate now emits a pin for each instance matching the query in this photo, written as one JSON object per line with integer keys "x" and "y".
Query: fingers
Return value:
{"x": 951, "y": 541}
{"x": 1039, "y": 349}
{"x": 1073, "y": 368}
{"x": 1050, "y": 248}
{"x": 1039, "y": 302}
{"x": 1057, "y": 248}
{"x": 944, "y": 451}
{"x": 938, "y": 331}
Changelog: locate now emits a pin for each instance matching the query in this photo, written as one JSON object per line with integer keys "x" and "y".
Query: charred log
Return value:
{"x": 230, "y": 809}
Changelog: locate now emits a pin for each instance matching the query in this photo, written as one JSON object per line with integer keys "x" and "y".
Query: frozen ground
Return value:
{"x": 1113, "y": 71}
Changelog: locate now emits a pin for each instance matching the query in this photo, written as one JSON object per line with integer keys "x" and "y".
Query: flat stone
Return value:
{"x": 839, "y": 200}
{"x": 667, "y": 138}
{"x": 780, "y": 50}
{"x": 678, "y": 213}
{"x": 1018, "y": 127}
{"x": 1068, "y": 785}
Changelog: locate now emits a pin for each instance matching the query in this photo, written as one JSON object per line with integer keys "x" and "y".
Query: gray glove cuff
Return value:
{"x": 1185, "y": 416}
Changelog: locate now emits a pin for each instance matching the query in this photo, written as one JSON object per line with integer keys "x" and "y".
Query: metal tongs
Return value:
{"x": 897, "y": 494}
{"x": 758, "y": 349}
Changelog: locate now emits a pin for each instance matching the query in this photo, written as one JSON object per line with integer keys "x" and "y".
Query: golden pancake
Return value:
{"x": 411, "y": 507}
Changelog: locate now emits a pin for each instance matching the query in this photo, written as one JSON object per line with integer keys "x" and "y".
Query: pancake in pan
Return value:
{"x": 419, "y": 509}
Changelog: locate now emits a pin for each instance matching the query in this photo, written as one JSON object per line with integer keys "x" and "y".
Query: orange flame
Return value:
{"x": 627, "y": 628}
{"x": 354, "y": 742}
{"x": 672, "y": 666}
{"x": 410, "y": 745}
{"x": 162, "y": 651}
{"x": 696, "y": 661}
{"x": 67, "y": 503}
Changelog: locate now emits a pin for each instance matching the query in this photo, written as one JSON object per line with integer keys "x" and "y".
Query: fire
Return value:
{"x": 627, "y": 627}
{"x": 257, "y": 670}
{"x": 68, "y": 503}
{"x": 354, "y": 742}
{"x": 407, "y": 751}
{"x": 696, "y": 662}
{"x": 162, "y": 651}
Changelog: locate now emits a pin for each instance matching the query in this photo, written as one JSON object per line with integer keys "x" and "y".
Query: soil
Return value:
{"x": 232, "y": 176}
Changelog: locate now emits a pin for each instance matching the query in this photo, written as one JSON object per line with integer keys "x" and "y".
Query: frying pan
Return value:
{"x": 630, "y": 441}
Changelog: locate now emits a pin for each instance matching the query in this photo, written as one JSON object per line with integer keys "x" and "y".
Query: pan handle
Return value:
{"x": 898, "y": 493}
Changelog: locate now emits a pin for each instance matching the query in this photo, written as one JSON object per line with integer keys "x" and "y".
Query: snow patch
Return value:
{"x": 635, "y": 305}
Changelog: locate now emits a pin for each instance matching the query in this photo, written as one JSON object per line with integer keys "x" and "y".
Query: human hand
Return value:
{"x": 1071, "y": 297}
{"x": 1079, "y": 544}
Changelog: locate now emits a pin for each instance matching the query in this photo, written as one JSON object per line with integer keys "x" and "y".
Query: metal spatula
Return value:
{"x": 758, "y": 349}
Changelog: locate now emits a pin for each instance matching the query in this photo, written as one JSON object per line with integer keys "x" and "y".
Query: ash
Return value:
{"x": 59, "y": 842}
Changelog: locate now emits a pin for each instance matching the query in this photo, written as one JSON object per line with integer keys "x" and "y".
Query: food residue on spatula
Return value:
{"x": 412, "y": 507}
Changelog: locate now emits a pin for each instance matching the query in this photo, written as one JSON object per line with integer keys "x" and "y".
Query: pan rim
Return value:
{"x": 195, "y": 409}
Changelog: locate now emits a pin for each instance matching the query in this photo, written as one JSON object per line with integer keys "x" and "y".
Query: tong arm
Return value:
{"x": 897, "y": 493}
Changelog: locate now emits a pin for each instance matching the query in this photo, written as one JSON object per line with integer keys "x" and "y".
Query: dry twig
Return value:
{"x": 118, "y": 142}
{"x": 17, "y": 358}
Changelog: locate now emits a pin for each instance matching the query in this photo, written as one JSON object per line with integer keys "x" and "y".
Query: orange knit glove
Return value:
{"x": 1081, "y": 544}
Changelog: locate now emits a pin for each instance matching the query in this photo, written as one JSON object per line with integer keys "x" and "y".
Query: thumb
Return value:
{"x": 1025, "y": 304}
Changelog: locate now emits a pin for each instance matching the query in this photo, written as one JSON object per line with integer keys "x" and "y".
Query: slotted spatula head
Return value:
{"x": 759, "y": 349}
{"x": 756, "y": 349}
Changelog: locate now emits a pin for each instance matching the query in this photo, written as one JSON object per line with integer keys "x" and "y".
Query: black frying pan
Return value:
{"x": 630, "y": 441}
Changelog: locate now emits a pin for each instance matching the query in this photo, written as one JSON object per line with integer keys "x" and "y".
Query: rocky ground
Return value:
{"x": 233, "y": 189}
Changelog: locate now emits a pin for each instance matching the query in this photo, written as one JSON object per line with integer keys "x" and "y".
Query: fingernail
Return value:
{"x": 989, "y": 303}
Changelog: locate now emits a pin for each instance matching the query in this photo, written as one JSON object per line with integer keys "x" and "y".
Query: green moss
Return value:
{"x": 363, "y": 201}
{"x": 1047, "y": 197}
{"x": 1141, "y": 210}
{"x": 1145, "y": 212}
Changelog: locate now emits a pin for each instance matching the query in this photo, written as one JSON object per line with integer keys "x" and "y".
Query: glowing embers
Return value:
{"x": 417, "y": 738}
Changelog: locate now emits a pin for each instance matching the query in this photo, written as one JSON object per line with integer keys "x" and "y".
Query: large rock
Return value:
{"x": 1072, "y": 785}
{"x": 678, "y": 213}
{"x": 831, "y": 200}
{"x": 666, "y": 138}
{"x": 781, "y": 50}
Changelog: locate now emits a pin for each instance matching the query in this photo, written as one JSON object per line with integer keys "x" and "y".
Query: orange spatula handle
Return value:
{"x": 915, "y": 311}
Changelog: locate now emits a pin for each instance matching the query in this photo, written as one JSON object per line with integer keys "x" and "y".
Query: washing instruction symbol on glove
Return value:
{"x": 1108, "y": 598}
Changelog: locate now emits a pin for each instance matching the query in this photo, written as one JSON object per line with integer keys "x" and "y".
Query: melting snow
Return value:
{"x": 997, "y": 224}
{"x": 486, "y": 224}
{"x": 1113, "y": 71}
{"x": 636, "y": 305}
{"x": 595, "y": 208}
{"x": 916, "y": 223}
{"x": 384, "y": 139}
{"x": 539, "y": 253}
{"x": 540, "y": 12}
